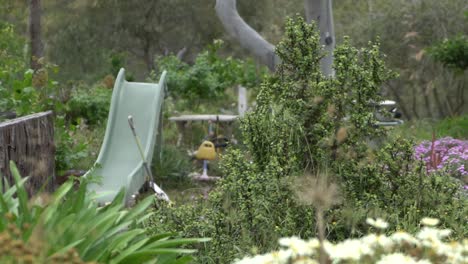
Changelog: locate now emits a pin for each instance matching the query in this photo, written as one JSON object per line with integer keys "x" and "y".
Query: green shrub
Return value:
{"x": 69, "y": 226}
{"x": 394, "y": 185}
{"x": 208, "y": 78}
{"x": 291, "y": 128}
{"x": 24, "y": 92}
{"x": 90, "y": 104}
{"x": 453, "y": 52}
{"x": 308, "y": 124}
{"x": 11, "y": 63}
{"x": 173, "y": 166}
{"x": 69, "y": 151}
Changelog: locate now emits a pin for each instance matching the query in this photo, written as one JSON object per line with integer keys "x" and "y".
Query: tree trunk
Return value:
{"x": 248, "y": 38}
{"x": 321, "y": 12}
{"x": 148, "y": 56}
{"x": 29, "y": 142}
{"x": 237, "y": 28}
{"x": 181, "y": 53}
{"x": 37, "y": 50}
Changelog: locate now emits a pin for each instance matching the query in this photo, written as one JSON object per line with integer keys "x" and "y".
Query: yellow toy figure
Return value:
{"x": 206, "y": 151}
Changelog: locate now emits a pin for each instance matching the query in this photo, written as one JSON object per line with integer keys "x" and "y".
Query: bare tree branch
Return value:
{"x": 247, "y": 36}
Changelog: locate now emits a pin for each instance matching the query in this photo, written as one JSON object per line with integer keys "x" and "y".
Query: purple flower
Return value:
{"x": 446, "y": 154}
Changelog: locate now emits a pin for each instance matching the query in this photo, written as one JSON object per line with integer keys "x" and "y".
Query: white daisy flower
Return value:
{"x": 427, "y": 221}
{"x": 377, "y": 223}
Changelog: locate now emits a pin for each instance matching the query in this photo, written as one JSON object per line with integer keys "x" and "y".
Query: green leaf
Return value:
{"x": 146, "y": 255}
{"x": 3, "y": 205}
{"x": 80, "y": 197}
{"x": 57, "y": 197}
{"x": 12, "y": 190}
{"x": 98, "y": 229}
{"x": 139, "y": 208}
{"x": 168, "y": 259}
{"x": 67, "y": 247}
{"x": 132, "y": 248}
{"x": 23, "y": 213}
{"x": 117, "y": 242}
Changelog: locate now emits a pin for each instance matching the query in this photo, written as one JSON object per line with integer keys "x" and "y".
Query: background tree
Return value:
{"x": 137, "y": 32}
{"x": 37, "y": 49}
{"x": 317, "y": 10}
{"x": 88, "y": 39}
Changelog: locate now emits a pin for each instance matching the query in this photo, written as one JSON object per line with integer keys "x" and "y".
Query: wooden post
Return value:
{"x": 29, "y": 142}
{"x": 241, "y": 100}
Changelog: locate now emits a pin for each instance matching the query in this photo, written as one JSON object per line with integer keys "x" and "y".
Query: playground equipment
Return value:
{"x": 119, "y": 162}
{"x": 208, "y": 149}
{"x": 387, "y": 114}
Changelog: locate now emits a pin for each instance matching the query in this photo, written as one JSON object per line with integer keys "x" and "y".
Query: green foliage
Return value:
{"x": 11, "y": 63}
{"x": 174, "y": 163}
{"x": 11, "y": 48}
{"x": 210, "y": 75}
{"x": 454, "y": 127}
{"x": 396, "y": 186}
{"x": 90, "y": 104}
{"x": 453, "y": 52}
{"x": 331, "y": 115}
{"x": 21, "y": 89}
{"x": 425, "y": 88}
{"x": 82, "y": 43}
{"x": 249, "y": 210}
{"x": 70, "y": 221}
{"x": 306, "y": 123}
{"x": 24, "y": 92}
{"x": 70, "y": 151}
{"x": 291, "y": 128}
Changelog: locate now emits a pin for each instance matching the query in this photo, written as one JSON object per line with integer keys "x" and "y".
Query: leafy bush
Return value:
{"x": 453, "y": 52}
{"x": 69, "y": 226}
{"x": 173, "y": 166}
{"x": 428, "y": 245}
{"x": 11, "y": 62}
{"x": 210, "y": 75}
{"x": 396, "y": 185}
{"x": 70, "y": 151}
{"x": 293, "y": 126}
{"x": 306, "y": 123}
{"x": 90, "y": 104}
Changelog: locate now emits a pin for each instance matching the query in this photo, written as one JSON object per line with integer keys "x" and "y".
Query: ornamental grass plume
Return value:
{"x": 316, "y": 190}
{"x": 319, "y": 192}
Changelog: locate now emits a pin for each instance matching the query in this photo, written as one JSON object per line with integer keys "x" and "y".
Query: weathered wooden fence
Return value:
{"x": 29, "y": 142}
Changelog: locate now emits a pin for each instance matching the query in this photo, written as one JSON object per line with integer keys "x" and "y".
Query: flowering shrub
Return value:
{"x": 447, "y": 154}
{"x": 427, "y": 246}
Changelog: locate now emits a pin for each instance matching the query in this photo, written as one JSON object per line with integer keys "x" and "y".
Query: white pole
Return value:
{"x": 241, "y": 100}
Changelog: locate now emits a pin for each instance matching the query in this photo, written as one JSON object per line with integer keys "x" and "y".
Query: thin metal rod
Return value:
{"x": 159, "y": 192}
{"x": 140, "y": 148}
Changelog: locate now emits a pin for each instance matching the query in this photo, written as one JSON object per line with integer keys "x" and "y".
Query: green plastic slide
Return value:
{"x": 119, "y": 163}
